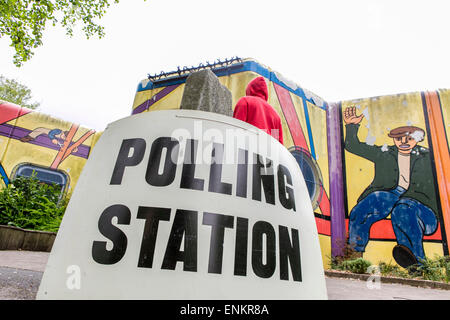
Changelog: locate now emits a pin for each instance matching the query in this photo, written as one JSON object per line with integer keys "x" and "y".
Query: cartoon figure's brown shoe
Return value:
{"x": 26, "y": 139}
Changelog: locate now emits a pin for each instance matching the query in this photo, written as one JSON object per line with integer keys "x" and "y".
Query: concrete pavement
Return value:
{"x": 21, "y": 273}
{"x": 19, "y": 284}
{"x": 27, "y": 260}
{"x": 352, "y": 289}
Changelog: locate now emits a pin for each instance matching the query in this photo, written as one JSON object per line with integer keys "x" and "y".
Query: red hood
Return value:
{"x": 257, "y": 88}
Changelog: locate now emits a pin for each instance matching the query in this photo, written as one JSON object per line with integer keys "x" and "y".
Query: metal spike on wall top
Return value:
{"x": 187, "y": 70}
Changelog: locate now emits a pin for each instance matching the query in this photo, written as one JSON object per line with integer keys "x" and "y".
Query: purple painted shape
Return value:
{"x": 13, "y": 132}
{"x": 141, "y": 108}
{"x": 148, "y": 103}
{"x": 337, "y": 208}
{"x": 6, "y": 130}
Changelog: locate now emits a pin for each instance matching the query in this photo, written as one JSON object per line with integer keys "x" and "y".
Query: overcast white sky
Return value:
{"x": 337, "y": 49}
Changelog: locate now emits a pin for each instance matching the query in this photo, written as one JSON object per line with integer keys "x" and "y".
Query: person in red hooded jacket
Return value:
{"x": 255, "y": 110}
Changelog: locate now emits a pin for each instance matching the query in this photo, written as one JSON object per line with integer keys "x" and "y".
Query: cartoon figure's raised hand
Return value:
{"x": 351, "y": 117}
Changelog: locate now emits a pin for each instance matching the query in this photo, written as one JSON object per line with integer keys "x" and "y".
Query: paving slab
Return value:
{"x": 26, "y": 260}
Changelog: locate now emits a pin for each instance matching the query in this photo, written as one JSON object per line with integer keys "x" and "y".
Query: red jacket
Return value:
{"x": 254, "y": 109}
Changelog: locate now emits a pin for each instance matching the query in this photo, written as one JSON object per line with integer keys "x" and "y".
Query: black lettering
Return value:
{"x": 185, "y": 223}
{"x": 218, "y": 223}
{"x": 286, "y": 193}
{"x": 152, "y": 217}
{"x": 240, "y": 257}
{"x": 264, "y": 177}
{"x": 289, "y": 251}
{"x": 215, "y": 171}
{"x": 124, "y": 160}
{"x": 167, "y": 176}
{"x": 242, "y": 169}
{"x": 188, "y": 180}
{"x": 99, "y": 252}
{"x": 261, "y": 228}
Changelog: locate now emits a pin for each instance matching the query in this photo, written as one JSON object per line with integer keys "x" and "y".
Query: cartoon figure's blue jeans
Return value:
{"x": 411, "y": 220}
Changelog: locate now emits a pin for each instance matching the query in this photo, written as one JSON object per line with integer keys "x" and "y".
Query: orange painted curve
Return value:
{"x": 441, "y": 154}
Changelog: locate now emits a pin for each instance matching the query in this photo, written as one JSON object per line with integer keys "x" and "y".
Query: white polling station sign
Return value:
{"x": 183, "y": 204}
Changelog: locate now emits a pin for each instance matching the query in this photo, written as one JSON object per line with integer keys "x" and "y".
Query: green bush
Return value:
{"x": 437, "y": 269}
{"x": 30, "y": 204}
{"x": 387, "y": 269}
{"x": 359, "y": 265}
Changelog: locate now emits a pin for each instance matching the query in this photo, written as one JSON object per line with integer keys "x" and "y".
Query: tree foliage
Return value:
{"x": 25, "y": 20}
{"x": 15, "y": 92}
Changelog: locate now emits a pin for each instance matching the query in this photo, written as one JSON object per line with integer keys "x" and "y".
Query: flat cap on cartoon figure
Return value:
{"x": 407, "y": 131}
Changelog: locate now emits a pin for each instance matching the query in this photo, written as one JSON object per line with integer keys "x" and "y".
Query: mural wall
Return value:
{"x": 54, "y": 149}
{"x": 395, "y": 167}
{"x": 377, "y": 169}
{"x": 303, "y": 116}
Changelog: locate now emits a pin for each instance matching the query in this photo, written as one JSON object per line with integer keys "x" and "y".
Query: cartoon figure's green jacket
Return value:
{"x": 421, "y": 187}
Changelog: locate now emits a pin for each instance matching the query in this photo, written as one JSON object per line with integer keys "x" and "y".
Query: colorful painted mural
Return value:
{"x": 394, "y": 160}
{"x": 303, "y": 115}
{"x": 349, "y": 153}
{"x": 377, "y": 169}
{"x": 55, "y": 150}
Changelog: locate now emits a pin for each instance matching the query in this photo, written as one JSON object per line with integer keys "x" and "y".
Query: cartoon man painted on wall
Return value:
{"x": 402, "y": 186}
{"x": 56, "y": 136}
{"x": 53, "y": 134}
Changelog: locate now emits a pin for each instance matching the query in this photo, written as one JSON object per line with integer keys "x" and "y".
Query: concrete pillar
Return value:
{"x": 203, "y": 91}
